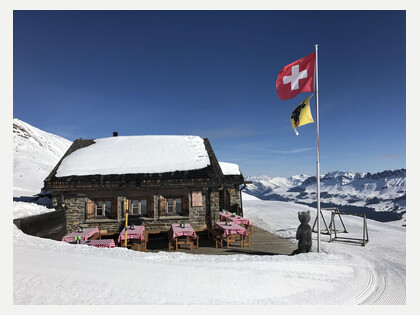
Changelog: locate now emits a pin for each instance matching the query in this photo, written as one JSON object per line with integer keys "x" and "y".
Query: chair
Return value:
{"x": 217, "y": 237}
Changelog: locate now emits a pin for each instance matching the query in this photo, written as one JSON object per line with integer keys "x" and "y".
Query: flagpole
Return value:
{"x": 318, "y": 186}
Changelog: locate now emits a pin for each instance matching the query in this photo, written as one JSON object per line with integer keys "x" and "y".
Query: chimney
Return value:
{"x": 115, "y": 134}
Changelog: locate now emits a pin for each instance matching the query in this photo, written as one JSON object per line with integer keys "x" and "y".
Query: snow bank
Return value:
{"x": 61, "y": 273}
{"x": 27, "y": 209}
{"x": 52, "y": 272}
{"x": 137, "y": 154}
{"x": 229, "y": 168}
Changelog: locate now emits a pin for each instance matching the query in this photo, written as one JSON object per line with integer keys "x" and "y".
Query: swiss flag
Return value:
{"x": 296, "y": 78}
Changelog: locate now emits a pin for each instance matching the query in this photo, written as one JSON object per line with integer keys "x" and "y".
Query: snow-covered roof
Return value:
{"x": 229, "y": 168}
{"x": 136, "y": 154}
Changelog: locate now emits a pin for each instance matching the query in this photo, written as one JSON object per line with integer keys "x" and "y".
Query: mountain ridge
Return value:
{"x": 383, "y": 191}
{"x": 35, "y": 153}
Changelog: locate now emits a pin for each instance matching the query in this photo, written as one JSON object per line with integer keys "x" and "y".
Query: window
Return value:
{"x": 134, "y": 207}
{"x": 174, "y": 206}
{"x": 139, "y": 207}
{"x": 101, "y": 208}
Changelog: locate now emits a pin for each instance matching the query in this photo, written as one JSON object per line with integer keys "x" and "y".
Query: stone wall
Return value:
{"x": 214, "y": 206}
{"x": 198, "y": 214}
{"x": 75, "y": 210}
{"x": 75, "y": 215}
{"x": 235, "y": 200}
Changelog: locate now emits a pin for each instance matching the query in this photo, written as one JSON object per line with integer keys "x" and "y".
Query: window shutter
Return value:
{"x": 162, "y": 206}
{"x": 122, "y": 210}
{"x": 130, "y": 209}
{"x": 185, "y": 206}
{"x": 113, "y": 209}
{"x": 90, "y": 209}
{"x": 150, "y": 208}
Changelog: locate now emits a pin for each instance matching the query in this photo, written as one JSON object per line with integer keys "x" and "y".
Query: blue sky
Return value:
{"x": 85, "y": 74}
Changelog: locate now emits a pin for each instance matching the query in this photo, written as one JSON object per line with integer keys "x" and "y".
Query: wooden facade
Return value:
{"x": 155, "y": 200}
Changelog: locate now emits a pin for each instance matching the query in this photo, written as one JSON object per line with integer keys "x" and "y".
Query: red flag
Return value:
{"x": 296, "y": 78}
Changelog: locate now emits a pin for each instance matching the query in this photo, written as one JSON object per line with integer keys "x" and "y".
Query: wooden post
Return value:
{"x": 367, "y": 234}
{"x": 331, "y": 224}
{"x": 126, "y": 223}
{"x": 364, "y": 228}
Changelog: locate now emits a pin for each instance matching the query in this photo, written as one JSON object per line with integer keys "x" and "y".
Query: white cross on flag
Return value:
{"x": 296, "y": 78}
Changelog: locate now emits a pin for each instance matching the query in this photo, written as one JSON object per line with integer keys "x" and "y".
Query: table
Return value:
{"x": 238, "y": 220}
{"x": 230, "y": 232}
{"x": 177, "y": 233}
{"x": 136, "y": 234}
{"x": 89, "y": 233}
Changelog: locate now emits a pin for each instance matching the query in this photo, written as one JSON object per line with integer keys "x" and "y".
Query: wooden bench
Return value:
{"x": 142, "y": 246}
{"x": 218, "y": 236}
{"x": 105, "y": 233}
{"x": 183, "y": 240}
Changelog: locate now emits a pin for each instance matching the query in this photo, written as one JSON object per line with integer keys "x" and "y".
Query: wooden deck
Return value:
{"x": 262, "y": 243}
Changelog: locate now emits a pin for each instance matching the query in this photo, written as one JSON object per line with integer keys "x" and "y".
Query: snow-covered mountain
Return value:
{"x": 35, "y": 153}
{"x": 383, "y": 192}
{"x": 263, "y": 184}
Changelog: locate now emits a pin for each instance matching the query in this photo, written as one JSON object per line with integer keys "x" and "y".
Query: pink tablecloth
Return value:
{"x": 230, "y": 229}
{"x": 137, "y": 233}
{"x": 86, "y": 234}
{"x": 177, "y": 231}
{"x": 236, "y": 219}
{"x": 100, "y": 243}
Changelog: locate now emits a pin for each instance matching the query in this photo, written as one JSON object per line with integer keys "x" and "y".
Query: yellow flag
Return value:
{"x": 301, "y": 115}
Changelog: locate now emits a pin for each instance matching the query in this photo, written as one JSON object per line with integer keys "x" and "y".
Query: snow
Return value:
{"x": 229, "y": 168}
{"x": 26, "y": 209}
{"x": 53, "y": 272}
{"x": 248, "y": 197}
{"x": 35, "y": 153}
{"x": 137, "y": 154}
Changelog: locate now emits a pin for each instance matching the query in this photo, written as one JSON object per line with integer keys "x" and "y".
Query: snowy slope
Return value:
{"x": 52, "y": 272}
{"x": 35, "y": 153}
